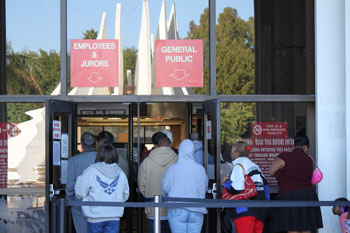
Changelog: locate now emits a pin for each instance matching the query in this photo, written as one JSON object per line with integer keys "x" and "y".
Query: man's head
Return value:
{"x": 161, "y": 140}
{"x": 106, "y": 137}
{"x": 195, "y": 136}
{"x": 88, "y": 142}
{"x": 169, "y": 134}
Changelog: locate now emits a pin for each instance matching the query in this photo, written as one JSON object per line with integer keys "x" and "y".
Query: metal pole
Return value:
{"x": 62, "y": 208}
{"x": 157, "y": 199}
{"x": 53, "y": 215}
{"x": 63, "y": 41}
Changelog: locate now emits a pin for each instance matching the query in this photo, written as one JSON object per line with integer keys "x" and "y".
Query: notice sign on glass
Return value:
{"x": 3, "y": 154}
{"x": 94, "y": 63}
{"x": 270, "y": 130}
{"x": 179, "y": 63}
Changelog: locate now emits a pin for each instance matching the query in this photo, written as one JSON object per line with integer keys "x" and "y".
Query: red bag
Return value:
{"x": 248, "y": 192}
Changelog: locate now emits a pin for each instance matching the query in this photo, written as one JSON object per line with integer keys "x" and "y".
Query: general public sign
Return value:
{"x": 179, "y": 63}
{"x": 269, "y": 130}
{"x": 94, "y": 63}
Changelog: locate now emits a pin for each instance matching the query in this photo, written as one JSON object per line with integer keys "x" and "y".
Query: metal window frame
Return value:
{"x": 134, "y": 98}
{"x": 212, "y": 95}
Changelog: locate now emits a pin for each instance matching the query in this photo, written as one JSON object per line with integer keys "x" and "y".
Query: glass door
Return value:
{"x": 211, "y": 130}
{"x": 60, "y": 132}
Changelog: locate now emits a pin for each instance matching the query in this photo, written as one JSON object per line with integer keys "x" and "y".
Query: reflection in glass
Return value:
{"x": 268, "y": 127}
{"x": 25, "y": 140}
{"x": 22, "y": 214}
{"x": 32, "y": 47}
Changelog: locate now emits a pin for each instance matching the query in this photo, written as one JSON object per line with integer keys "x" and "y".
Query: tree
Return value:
{"x": 129, "y": 55}
{"x": 90, "y": 34}
{"x": 22, "y": 72}
{"x": 234, "y": 68}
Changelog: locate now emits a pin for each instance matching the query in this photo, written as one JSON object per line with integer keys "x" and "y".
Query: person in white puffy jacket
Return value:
{"x": 103, "y": 181}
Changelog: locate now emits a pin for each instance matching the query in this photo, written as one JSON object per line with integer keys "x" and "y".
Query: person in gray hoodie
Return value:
{"x": 103, "y": 181}
{"x": 198, "y": 149}
{"x": 186, "y": 179}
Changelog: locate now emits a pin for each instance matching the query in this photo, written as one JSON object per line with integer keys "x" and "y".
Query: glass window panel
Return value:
{"x": 22, "y": 213}
{"x": 22, "y": 142}
{"x": 271, "y": 52}
{"x": 32, "y": 47}
{"x": 268, "y": 127}
{"x": 86, "y": 20}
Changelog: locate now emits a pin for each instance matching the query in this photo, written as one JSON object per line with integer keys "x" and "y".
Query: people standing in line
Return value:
{"x": 169, "y": 134}
{"x": 150, "y": 175}
{"x": 103, "y": 181}
{"x": 107, "y": 137}
{"x": 76, "y": 165}
{"x": 186, "y": 179}
{"x": 293, "y": 171}
{"x": 198, "y": 149}
{"x": 344, "y": 215}
{"x": 246, "y": 220}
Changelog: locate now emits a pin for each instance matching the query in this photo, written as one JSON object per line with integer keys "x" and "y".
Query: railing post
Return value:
{"x": 62, "y": 210}
{"x": 157, "y": 199}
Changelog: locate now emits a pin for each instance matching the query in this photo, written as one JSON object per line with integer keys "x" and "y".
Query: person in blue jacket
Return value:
{"x": 186, "y": 179}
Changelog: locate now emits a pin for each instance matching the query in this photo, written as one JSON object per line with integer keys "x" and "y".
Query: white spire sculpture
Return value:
{"x": 143, "y": 73}
{"x": 173, "y": 34}
{"x": 173, "y": 30}
{"x": 118, "y": 36}
{"x": 162, "y": 34}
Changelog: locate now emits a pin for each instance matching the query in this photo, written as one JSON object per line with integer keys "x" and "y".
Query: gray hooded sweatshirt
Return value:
{"x": 102, "y": 182}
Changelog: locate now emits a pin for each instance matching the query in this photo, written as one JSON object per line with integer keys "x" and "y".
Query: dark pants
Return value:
{"x": 164, "y": 226}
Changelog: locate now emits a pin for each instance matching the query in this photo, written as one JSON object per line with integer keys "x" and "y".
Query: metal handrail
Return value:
{"x": 166, "y": 202}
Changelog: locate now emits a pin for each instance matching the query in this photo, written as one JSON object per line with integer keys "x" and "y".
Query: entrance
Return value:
{"x": 132, "y": 125}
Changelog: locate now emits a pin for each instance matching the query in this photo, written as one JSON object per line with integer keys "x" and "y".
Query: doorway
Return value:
{"x": 132, "y": 126}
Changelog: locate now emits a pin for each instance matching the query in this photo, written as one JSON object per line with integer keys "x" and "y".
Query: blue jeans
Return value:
{"x": 185, "y": 221}
{"x": 104, "y": 227}
{"x": 164, "y": 226}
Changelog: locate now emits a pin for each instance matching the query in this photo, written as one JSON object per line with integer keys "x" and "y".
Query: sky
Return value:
{"x": 35, "y": 24}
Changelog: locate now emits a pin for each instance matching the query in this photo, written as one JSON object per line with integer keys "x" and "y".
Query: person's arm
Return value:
{"x": 167, "y": 182}
{"x": 126, "y": 189}
{"x": 141, "y": 178}
{"x": 235, "y": 184}
{"x": 71, "y": 179}
{"x": 277, "y": 165}
{"x": 82, "y": 186}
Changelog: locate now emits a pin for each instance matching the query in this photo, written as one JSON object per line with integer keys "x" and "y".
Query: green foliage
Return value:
{"x": 235, "y": 69}
{"x": 90, "y": 34}
{"x": 129, "y": 56}
{"x": 16, "y": 111}
{"x": 29, "y": 73}
{"x": 235, "y": 121}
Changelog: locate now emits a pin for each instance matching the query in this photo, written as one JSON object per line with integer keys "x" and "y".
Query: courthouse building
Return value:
{"x": 257, "y": 70}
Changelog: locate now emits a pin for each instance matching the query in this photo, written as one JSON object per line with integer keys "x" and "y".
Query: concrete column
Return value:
{"x": 347, "y": 80}
{"x": 330, "y": 105}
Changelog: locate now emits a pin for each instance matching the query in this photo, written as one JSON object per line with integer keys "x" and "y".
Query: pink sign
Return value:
{"x": 270, "y": 130}
{"x": 265, "y": 150}
{"x": 4, "y": 131}
{"x": 94, "y": 63}
{"x": 179, "y": 63}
